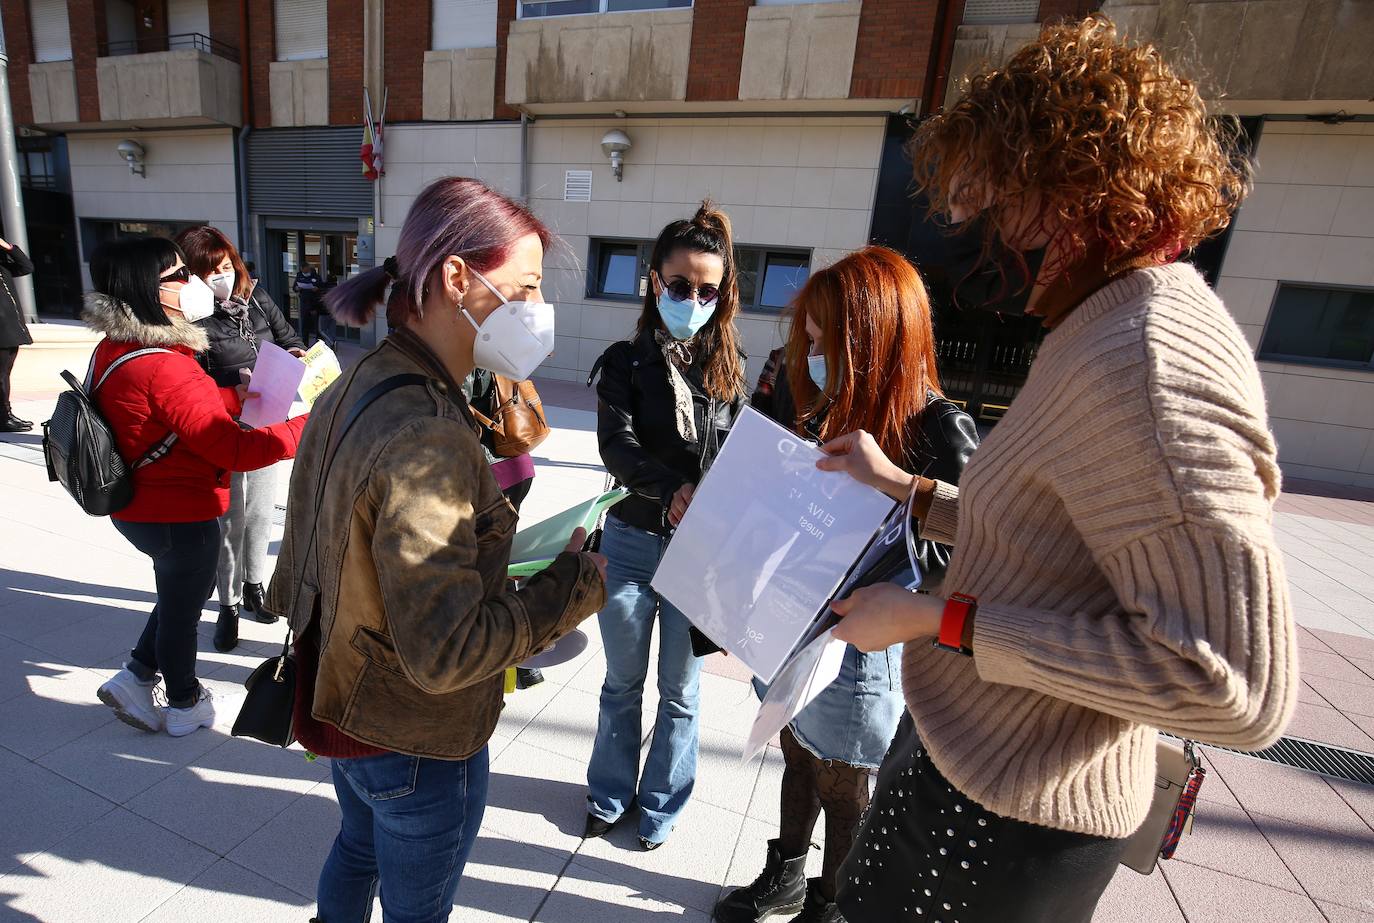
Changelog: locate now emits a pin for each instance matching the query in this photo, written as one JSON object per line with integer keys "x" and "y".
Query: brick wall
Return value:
{"x": 346, "y": 62}
{"x": 407, "y": 35}
{"x": 1067, "y": 9}
{"x": 717, "y": 49}
{"x": 262, "y": 51}
{"x": 19, "y": 44}
{"x": 224, "y": 25}
{"x": 896, "y": 41}
{"x": 86, "y": 19}
{"x": 505, "y": 12}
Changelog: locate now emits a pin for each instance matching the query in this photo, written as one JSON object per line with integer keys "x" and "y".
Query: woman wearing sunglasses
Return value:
{"x": 176, "y": 429}
{"x": 666, "y": 401}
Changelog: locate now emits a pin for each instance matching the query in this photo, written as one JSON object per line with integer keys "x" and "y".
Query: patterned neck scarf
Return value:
{"x": 238, "y": 311}
{"x": 678, "y": 356}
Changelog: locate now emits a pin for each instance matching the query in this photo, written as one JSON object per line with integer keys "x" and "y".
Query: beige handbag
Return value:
{"x": 1178, "y": 776}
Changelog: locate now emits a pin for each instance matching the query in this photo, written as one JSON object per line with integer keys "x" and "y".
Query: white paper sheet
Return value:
{"x": 808, "y": 673}
{"x": 276, "y": 376}
{"x": 766, "y": 541}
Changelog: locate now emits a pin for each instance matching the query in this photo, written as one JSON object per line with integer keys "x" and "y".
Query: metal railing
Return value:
{"x": 180, "y": 42}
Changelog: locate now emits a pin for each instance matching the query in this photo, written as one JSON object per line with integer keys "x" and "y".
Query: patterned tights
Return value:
{"x": 810, "y": 784}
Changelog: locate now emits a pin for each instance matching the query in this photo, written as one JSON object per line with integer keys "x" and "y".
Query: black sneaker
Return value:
{"x": 524, "y": 678}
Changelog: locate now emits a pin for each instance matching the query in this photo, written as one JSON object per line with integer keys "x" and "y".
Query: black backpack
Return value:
{"x": 79, "y": 446}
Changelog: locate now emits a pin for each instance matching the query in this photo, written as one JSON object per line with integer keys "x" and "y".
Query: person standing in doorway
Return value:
{"x": 667, "y": 398}
{"x": 309, "y": 288}
{"x": 14, "y": 333}
{"x": 244, "y": 319}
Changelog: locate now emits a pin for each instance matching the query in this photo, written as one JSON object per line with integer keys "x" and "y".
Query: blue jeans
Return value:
{"x": 184, "y": 557}
{"x": 409, "y": 824}
{"x": 627, "y": 623}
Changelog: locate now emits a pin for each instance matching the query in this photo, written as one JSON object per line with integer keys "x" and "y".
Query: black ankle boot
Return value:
{"x": 780, "y": 888}
{"x": 818, "y": 909}
{"x": 227, "y": 629}
{"x": 526, "y": 678}
{"x": 253, "y": 598}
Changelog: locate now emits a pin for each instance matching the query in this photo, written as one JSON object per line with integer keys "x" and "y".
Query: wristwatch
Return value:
{"x": 958, "y": 609}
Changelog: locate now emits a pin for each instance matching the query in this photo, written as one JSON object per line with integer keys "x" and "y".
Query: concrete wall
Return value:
{"x": 804, "y": 51}
{"x": 1310, "y": 219}
{"x": 796, "y": 183}
{"x": 606, "y": 58}
{"x": 181, "y": 84}
{"x": 190, "y": 178}
{"x": 52, "y": 90}
{"x": 460, "y": 85}
{"x": 300, "y": 93}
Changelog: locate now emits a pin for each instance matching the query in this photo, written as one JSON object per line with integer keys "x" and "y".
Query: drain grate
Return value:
{"x": 1324, "y": 759}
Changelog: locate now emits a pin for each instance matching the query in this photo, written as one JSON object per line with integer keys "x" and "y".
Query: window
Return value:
{"x": 984, "y": 12}
{"x": 464, "y": 24}
{"x": 1322, "y": 325}
{"x": 188, "y": 17}
{"x": 96, "y": 231}
{"x": 532, "y": 9}
{"x": 618, "y": 270}
{"x": 52, "y": 39}
{"x": 302, "y": 28}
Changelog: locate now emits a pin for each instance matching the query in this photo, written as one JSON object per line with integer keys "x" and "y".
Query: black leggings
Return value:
{"x": 809, "y": 784}
{"x": 8, "y": 355}
{"x": 926, "y": 852}
{"x": 185, "y": 556}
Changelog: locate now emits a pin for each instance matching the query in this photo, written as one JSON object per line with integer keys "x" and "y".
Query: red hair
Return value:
{"x": 205, "y": 248}
{"x": 876, "y": 335}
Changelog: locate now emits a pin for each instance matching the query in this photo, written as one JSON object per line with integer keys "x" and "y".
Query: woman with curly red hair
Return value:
{"x": 1115, "y": 569}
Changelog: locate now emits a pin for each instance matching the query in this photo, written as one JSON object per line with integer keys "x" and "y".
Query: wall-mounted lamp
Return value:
{"x": 614, "y": 144}
{"x": 132, "y": 152}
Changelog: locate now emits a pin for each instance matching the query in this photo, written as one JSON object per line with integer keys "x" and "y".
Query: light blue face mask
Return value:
{"x": 683, "y": 318}
{"x": 816, "y": 366}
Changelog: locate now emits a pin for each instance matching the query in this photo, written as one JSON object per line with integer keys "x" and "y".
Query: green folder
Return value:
{"x": 536, "y": 546}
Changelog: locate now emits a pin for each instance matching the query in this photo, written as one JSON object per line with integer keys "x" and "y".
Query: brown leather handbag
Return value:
{"x": 517, "y": 422}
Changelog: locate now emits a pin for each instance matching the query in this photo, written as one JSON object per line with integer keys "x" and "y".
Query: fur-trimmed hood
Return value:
{"x": 113, "y": 318}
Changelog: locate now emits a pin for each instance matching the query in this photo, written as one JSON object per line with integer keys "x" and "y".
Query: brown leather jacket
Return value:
{"x": 408, "y": 572}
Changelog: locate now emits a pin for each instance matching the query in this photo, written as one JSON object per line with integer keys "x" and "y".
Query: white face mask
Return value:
{"x": 196, "y": 302}
{"x": 222, "y": 284}
{"x": 514, "y": 338}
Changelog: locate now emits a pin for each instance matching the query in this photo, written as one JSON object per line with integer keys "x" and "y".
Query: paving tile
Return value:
{"x": 567, "y": 725}
{"x": 1309, "y": 696}
{"x": 1335, "y": 913}
{"x": 19, "y": 662}
{"x": 1328, "y": 726}
{"x": 40, "y": 809}
{"x": 537, "y": 797}
{"x": 1132, "y": 897}
{"x": 1214, "y": 788}
{"x": 1348, "y": 697}
{"x": 687, "y": 869}
{"x": 727, "y": 705}
{"x": 94, "y": 641}
{"x": 228, "y": 794}
{"x": 1346, "y": 644}
{"x": 505, "y": 880}
{"x": 121, "y": 867}
{"x": 1275, "y": 790}
{"x": 722, "y": 780}
{"x": 1227, "y": 840}
{"x": 1315, "y": 664}
{"x": 1307, "y": 641}
{"x": 585, "y": 894}
{"x": 290, "y": 849}
{"x": 26, "y": 615}
{"x": 227, "y": 891}
{"x": 1359, "y": 797}
{"x": 1329, "y": 853}
{"x": 60, "y": 707}
{"x": 119, "y": 762}
{"x": 766, "y": 805}
{"x": 750, "y": 854}
{"x": 1207, "y": 896}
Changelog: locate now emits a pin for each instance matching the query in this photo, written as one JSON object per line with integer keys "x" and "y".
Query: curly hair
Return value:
{"x": 1101, "y": 137}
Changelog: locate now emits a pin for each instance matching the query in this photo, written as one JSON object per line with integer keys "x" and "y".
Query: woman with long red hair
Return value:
{"x": 860, "y": 356}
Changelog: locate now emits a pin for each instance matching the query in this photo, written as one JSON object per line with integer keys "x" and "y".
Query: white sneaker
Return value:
{"x": 133, "y": 700}
{"x": 183, "y": 721}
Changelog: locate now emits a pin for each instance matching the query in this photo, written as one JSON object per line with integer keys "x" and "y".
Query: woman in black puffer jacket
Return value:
{"x": 245, "y": 318}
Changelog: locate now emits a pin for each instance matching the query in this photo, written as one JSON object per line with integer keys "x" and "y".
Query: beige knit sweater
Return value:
{"x": 1116, "y": 530}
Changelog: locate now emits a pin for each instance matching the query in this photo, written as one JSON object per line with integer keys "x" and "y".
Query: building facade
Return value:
{"x": 792, "y": 116}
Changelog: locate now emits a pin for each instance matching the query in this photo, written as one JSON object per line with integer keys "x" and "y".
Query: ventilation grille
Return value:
{"x": 1324, "y": 759}
{"x": 577, "y": 186}
{"x": 986, "y": 12}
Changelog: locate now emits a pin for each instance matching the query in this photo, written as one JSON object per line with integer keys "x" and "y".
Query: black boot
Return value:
{"x": 818, "y": 909}
{"x": 525, "y": 678}
{"x": 227, "y": 630}
{"x": 780, "y": 888}
{"x": 12, "y": 424}
{"x": 253, "y": 597}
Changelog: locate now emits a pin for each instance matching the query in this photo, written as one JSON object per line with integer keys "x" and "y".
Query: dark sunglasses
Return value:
{"x": 682, "y": 290}
{"x": 181, "y": 275}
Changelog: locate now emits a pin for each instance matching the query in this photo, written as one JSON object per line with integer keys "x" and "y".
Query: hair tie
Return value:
{"x": 392, "y": 268}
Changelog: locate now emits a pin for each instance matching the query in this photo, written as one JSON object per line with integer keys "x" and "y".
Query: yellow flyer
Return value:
{"x": 321, "y": 368}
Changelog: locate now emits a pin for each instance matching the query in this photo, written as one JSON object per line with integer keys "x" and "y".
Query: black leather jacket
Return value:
{"x": 635, "y": 429}
{"x": 945, "y": 439}
{"x": 231, "y": 350}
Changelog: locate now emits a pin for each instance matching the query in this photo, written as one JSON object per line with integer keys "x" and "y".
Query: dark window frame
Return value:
{"x": 1263, "y": 355}
{"x": 644, "y": 249}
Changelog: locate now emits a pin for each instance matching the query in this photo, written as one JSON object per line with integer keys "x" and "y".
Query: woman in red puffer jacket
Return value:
{"x": 164, "y": 407}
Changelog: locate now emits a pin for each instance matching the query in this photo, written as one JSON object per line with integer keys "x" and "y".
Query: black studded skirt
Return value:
{"x": 927, "y": 853}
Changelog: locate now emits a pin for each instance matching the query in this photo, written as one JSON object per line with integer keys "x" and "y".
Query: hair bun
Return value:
{"x": 710, "y": 217}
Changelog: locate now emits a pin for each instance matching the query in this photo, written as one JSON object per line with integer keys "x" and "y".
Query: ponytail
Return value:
{"x": 708, "y": 231}
{"x": 355, "y": 301}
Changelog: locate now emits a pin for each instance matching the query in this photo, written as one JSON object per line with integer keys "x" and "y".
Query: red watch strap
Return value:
{"x": 958, "y": 608}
